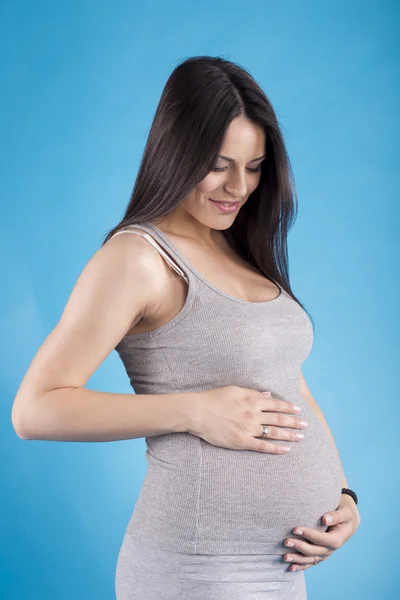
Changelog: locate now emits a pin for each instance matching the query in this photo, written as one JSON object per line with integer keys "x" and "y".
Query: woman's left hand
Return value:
{"x": 343, "y": 523}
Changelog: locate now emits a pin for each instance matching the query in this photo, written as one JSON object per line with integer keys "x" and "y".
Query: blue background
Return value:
{"x": 80, "y": 85}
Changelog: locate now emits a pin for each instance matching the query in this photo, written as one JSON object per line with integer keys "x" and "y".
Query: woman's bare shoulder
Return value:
{"x": 110, "y": 295}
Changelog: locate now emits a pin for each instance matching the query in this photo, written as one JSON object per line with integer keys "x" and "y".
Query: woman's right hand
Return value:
{"x": 232, "y": 417}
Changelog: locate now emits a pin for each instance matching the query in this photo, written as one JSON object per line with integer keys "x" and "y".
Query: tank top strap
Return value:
{"x": 159, "y": 243}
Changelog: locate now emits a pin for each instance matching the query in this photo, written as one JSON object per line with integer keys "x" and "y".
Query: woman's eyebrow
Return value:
{"x": 233, "y": 160}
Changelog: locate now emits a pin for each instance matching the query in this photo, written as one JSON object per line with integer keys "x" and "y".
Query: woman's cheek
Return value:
{"x": 210, "y": 183}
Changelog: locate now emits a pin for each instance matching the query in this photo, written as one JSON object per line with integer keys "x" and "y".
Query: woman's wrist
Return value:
{"x": 348, "y": 492}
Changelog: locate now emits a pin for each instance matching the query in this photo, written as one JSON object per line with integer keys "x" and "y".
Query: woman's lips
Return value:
{"x": 225, "y": 207}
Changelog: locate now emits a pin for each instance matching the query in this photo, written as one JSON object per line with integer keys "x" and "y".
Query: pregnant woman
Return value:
{"x": 191, "y": 288}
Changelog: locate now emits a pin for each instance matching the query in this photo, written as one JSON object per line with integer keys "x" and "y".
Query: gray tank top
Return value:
{"x": 199, "y": 498}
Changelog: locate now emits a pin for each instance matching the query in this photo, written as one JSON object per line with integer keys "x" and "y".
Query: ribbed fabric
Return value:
{"x": 203, "y": 499}
{"x": 144, "y": 572}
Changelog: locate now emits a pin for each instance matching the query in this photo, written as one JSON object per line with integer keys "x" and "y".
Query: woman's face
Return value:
{"x": 234, "y": 180}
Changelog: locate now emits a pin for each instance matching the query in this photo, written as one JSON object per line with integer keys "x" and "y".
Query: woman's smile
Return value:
{"x": 226, "y": 207}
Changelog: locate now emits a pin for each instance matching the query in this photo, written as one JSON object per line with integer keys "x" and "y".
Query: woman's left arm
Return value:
{"x": 343, "y": 522}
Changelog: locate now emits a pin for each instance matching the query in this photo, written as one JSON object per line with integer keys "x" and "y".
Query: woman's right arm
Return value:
{"x": 122, "y": 281}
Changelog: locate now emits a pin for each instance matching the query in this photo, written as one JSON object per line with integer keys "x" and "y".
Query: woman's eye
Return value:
{"x": 223, "y": 169}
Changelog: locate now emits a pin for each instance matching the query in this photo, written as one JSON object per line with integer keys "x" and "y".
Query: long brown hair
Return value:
{"x": 201, "y": 97}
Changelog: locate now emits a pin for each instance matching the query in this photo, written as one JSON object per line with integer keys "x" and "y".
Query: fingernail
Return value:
{"x": 328, "y": 519}
{"x": 266, "y": 393}
{"x": 296, "y": 407}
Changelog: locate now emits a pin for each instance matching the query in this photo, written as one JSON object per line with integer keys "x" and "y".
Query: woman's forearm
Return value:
{"x": 83, "y": 415}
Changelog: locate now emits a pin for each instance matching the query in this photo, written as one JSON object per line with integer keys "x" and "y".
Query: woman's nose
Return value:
{"x": 237, "y": 186}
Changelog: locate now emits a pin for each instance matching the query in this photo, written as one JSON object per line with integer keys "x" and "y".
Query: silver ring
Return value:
{"x": 265, "y": 431}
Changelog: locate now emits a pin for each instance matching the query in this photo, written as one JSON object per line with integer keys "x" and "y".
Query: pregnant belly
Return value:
{"x": 247, "y": 495}
{"x": 202, "y": 498}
